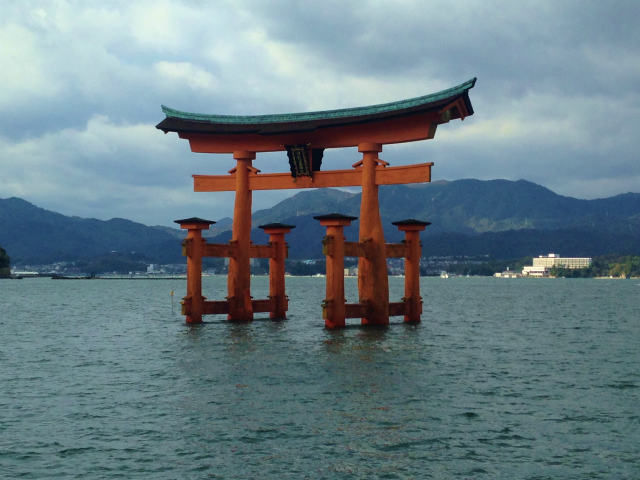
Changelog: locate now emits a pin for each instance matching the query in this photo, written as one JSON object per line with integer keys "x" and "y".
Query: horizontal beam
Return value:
{"x": 395, "y": 250}
{"x": 351, "y": 249}
{"x": 224, "y": 250}
{"x": 359, "y": 310}
{"x": 362, "y": 249}
{"x": 261, "y": 306}
{"x": 215, "y": 307}
{"x": 418, "y": 173}
{"x": 222, "y": 306}
{"x": 227, "y": 250}
{"x": 354, "y": 249}
{"x": 262, "y": 251}
{"x": 355, "y": 310}
{"x": 397, "y": 308}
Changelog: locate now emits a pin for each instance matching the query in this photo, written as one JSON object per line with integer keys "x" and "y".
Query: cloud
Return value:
{"x": 23, "y": 81}
{"x": 557, "y": 99}
{"x": 103, "y": 170}
{"x": 185, "y": 74}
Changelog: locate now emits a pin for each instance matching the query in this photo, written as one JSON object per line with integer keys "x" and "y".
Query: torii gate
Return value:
{"x": 304, "y": 136}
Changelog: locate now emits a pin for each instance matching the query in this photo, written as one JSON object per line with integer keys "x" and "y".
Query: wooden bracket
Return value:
{"x": 378, "y": 161}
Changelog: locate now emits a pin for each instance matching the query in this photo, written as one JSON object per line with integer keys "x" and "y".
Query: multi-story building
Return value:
{"x": 543, "y": 264}
{"x": 554, "y": 260}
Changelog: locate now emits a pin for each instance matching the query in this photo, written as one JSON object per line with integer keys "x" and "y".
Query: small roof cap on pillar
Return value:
{"x": 411, "y": 221}
{"x": 335, "y": 216}
{"x": 195, "y": 220}
{"x": 275, "y": 225}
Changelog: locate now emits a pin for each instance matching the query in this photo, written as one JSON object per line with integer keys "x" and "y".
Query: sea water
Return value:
{"x": 504, "y": 378}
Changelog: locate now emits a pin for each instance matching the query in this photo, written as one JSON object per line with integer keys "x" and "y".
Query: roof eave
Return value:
{"x": 184, "y": 122}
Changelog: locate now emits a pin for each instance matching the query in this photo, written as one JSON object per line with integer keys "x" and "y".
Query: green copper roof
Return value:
{"x": 321, "y": 115}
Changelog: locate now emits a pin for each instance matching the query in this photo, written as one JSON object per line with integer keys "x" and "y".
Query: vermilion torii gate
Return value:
{"x": 304, "y": 136}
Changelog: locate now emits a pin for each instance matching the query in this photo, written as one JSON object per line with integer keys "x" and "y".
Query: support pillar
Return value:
{"x": 373, "y": 283}
{"x": 193, "y": 248}
{"x": 412, "y": 298}
{"x": 239, "y": 277}
{"x": 334, "y": 310}
{"x": 276, "y": 232}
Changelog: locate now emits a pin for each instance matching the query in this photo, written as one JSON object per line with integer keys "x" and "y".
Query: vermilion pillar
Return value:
{"x": 276, "y": 232}
{"x": 334, "y": 311}
{"x": 239, "y": 279}
{"x": 412, "y": 298}
{"x": 193, "y": 302}
{"x": 373, "y": 283}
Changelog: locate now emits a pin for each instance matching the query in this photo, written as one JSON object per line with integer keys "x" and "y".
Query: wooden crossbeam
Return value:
{"x": 227, "y": 250}
{"x": 261, "y": 306}
{"x": 222, "y": 306}
{"x": 355, "y": 310}
{"x": 360, "y": 249}
{"x": 418, "y": 173}
{"x": 218, "y": 250}
{"x": 359, "y": 310}
{"x": 261, "y": 251}
{"x": 215, "y": 307}
{"x": 395, "y": 250}
{"x": 397, "y": 308}
{"x": 354, "y": 249}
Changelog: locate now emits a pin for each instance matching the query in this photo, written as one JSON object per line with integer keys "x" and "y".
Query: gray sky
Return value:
{"x": 557, "y": 100}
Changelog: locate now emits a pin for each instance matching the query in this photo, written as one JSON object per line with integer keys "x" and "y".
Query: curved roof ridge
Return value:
{"x": 324, "y": 114}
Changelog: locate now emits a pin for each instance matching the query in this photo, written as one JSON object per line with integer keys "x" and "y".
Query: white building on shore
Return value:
{"x": 543, "y": 264}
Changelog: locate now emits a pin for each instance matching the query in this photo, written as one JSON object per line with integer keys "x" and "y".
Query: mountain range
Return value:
{"x": 33, "y": 235}
{"x": 498, "y": 218}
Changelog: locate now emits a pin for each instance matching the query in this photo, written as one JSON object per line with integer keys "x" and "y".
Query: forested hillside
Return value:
{"x": 497, "y": 218}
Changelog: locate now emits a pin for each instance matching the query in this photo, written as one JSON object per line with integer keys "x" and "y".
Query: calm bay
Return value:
{"x": 504, "y": 378}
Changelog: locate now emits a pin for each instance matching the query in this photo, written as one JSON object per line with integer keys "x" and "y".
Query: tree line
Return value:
{"x": 605, "y": 266}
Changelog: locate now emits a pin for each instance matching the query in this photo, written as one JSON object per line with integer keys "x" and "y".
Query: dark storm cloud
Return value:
{"x": 557, "y": 99}
{"x": 527, "y": 43}
{"x": 557, "y": 89}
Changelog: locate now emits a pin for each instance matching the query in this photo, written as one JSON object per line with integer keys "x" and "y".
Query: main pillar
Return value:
{"x": 193, "y": 302}
{"x": 276, "y": 232}
{"x": 239, "y": 277}
{"x": 334, "y": 309}
{"x": 412, "y": 298}
{"x": 373, "y": 283}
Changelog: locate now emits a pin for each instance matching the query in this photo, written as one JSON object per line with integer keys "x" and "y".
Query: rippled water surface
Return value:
{"x": 503, "y": 379}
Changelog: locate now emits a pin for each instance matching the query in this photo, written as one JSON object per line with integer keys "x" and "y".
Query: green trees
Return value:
{"x": 560, "y": 272}
{"x": 627, "y": 266}
{"x": 605, "y": 266}
{"x": 5, "y": 265}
